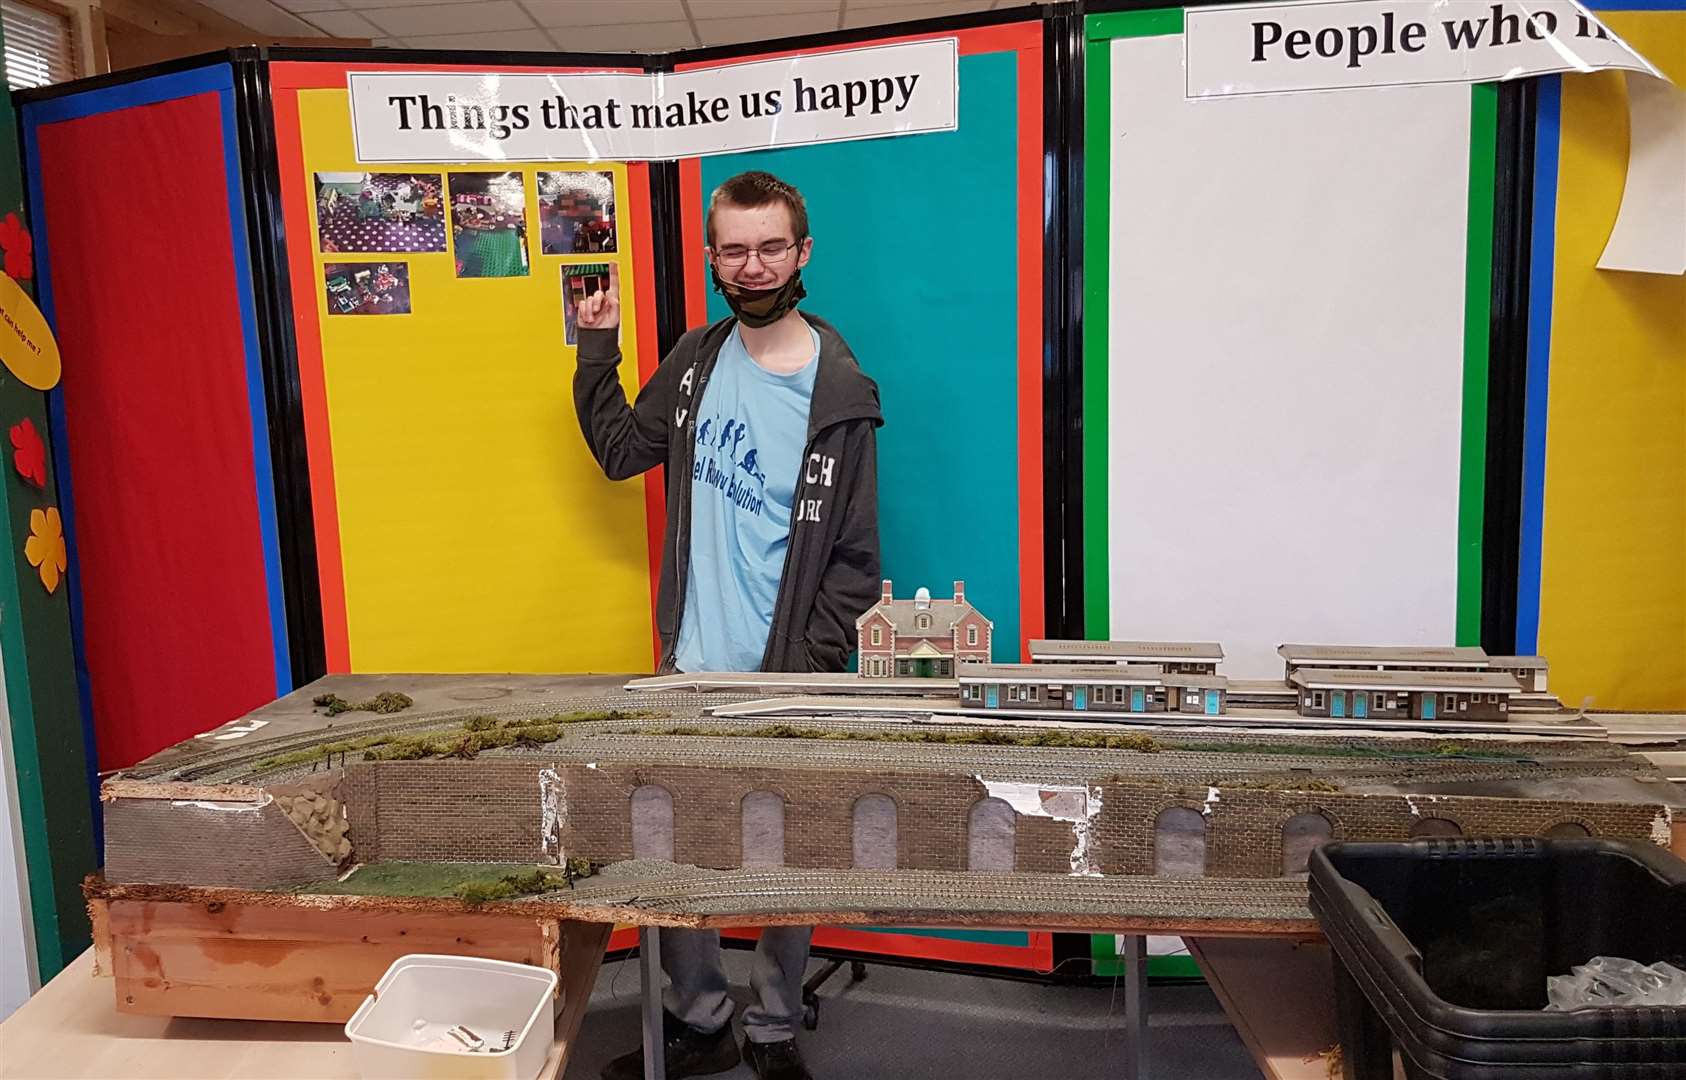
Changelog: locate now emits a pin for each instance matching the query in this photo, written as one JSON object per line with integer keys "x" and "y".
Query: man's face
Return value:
{"x": 741, "y": 231}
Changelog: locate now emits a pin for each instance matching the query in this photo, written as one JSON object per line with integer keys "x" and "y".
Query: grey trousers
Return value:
{"x": 696, "y": 991}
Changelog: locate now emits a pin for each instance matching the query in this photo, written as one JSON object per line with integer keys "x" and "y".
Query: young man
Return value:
{"x": 767, "y": 426}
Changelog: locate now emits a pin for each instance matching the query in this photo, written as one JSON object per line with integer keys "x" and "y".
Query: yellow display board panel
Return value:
{"x": 476, "y": 532}
{"x": 1613, "y": 547}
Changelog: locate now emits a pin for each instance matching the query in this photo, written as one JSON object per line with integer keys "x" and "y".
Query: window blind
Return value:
{"x": 40, "y": 44}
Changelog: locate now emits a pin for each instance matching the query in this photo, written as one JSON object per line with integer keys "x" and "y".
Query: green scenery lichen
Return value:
{"x": 480, "y": 881}
{"x": 476, "y": 734}
{"x": 1060, "y": 740}
{"x": 385, "y": 702}
{"x": 1339, "y": 750}
{"x": 528, "y": 883}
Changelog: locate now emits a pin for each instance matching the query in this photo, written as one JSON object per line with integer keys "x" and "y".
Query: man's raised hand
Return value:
{"x": 602, "y": 310}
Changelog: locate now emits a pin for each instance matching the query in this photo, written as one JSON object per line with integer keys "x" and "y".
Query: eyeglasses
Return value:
{"x": 770, "y": 253}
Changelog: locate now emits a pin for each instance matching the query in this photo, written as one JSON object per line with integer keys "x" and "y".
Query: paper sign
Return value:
{"x": 1282, "y": 48}
{"x": 798, "y": 101}
{"x": 1354, "y": 44}
{"x": 26, "y": 341}
{"x": 1650, "y": 231}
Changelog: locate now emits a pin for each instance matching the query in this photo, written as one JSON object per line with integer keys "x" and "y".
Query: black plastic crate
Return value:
{"x": 1443, "y": 948}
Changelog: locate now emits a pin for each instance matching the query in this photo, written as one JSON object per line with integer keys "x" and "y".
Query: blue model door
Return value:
{"x": 1428, "y": 706}
{"x": 1138, "y": 699}
{"x": 992, "y": 697}
{"x": 1360, "y": 704}
{"x": 1337, "y": 703}
{"x": 1211, "y": 703}
{"x": 1080, "y": 697}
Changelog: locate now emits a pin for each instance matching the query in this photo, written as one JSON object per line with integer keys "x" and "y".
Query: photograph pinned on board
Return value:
{"x": 489, "y": 223}
{"x": 380, "y": 212}
{"x": 579, "y": 280}
{"x": 367, "y": 288}
{"x": 576, "y": 213}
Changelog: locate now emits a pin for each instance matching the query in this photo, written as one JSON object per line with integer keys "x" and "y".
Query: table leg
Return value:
{"x": 650, "y": 972}
{"x": 1135, "y": 1008}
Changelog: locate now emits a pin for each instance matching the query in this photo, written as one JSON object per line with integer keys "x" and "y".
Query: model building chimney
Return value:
{"x": 886, "y": 596}
{"x": 959, "y": 592}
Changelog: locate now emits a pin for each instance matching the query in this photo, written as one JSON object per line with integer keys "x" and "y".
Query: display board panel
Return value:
{"x": 160, "y": 434}
{"x": 1602, "y": 589}
{"x": 461, "y": 523}
{"x": 1285, "y": 357}
{"x": 928, "y": 259}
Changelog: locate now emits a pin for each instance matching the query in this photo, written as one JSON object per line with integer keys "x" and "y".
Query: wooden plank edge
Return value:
{"x": 555, "y": 908}
{"x": 99, "y": 918}
{"x": 119, "y": 788}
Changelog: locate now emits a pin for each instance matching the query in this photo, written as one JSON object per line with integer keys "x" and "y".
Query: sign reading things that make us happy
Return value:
{"x": 799, "y": 101}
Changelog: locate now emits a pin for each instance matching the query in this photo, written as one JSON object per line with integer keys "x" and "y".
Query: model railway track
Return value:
{"x": 1000, "y": 761}
{"x": 803, "y": 890}
{"x": 611, "y": 739}
{"x": 217, "y": 759}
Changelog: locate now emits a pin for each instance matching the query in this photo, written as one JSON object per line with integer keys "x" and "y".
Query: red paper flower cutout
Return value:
{"x": 29, "y": 452}
{"x": 19, "y": 248}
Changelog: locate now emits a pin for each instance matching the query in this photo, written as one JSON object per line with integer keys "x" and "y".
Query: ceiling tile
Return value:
{"x": 741, "y": 9}
{"x": 597, "y": 13}
{"x": 439, "y": 19}
{"x": 529, "y": 40}
{"x": 908, "y": 12}
{"x": 639, "y": 37}
{"x": 264, "y": 17}
{"x": 361, "y": 5}
{"x": 764, "y": 28}
{"x": 343, "y": 24}
{"x": 923, "y": 9}
{"x": 311, "y": 5}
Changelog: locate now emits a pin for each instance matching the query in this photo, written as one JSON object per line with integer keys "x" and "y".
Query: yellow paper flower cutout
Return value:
{"x": 45, "y": 546}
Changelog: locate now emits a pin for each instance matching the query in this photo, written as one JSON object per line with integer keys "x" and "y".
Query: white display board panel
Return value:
{"x": 1286, "y": 337}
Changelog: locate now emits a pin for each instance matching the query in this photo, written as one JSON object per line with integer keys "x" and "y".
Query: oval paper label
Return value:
{"x": 26, "y": 341}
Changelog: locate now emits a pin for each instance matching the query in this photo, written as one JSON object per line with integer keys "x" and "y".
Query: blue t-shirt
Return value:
{"x": 752, "y": 427}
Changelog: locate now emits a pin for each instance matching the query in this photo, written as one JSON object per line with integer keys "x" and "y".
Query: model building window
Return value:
{"x": 1317, "y": 699}
{"x": 989, "y": 837}
{"x": 878, "y": 635}
{"x": 1302, "y": 834}
{"x": 971, "y": 635}
{"x": 875, "y": 832}
{"x": 923, "y": 622}
{"x": 763, "y": 829}
{"x": 1036, "y": 693}
{"x": 1379, "y": 700}
{"x": 1568, "y": 830}
{"x": 652, "y": 823}
{"x": 1179, "y": 843}
{"x": 1434, "y": 826}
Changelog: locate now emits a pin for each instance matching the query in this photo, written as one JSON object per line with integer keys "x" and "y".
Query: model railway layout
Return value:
{"x": 686, "y": 796}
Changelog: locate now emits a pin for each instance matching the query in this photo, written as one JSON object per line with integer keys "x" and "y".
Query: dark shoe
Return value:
{"x": 688, "y": 1052}
{"x": 776, "y": 1060}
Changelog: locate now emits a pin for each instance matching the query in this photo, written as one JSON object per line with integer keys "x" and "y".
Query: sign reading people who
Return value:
{"x": 798, "y": 101}
{"x": 1283, "y": 48}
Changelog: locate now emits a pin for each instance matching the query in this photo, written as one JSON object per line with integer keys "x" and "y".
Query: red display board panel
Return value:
{"x": 146, "y": 302}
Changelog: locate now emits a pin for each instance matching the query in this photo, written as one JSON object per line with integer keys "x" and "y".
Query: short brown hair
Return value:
{"x": 752, "y": 190}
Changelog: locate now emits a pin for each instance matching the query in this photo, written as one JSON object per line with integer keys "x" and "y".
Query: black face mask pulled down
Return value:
{"x": 760, "y": 307}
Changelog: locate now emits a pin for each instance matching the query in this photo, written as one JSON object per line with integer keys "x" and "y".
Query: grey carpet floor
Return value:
{"x": 901, "y": 1023}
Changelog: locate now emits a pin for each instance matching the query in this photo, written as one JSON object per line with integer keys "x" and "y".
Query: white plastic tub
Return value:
{"x": 399, "y": 1032}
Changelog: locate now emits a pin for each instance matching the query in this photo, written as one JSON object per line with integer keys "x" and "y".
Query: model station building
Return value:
{"x": 1134, "y": 688}
{"x": 1330, "y": 681}
{"x": 1176, "y": 657}
{"x": 922, "y": 637}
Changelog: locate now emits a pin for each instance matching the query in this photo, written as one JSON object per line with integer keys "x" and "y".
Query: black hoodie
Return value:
{"x": 831, "y": 570}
